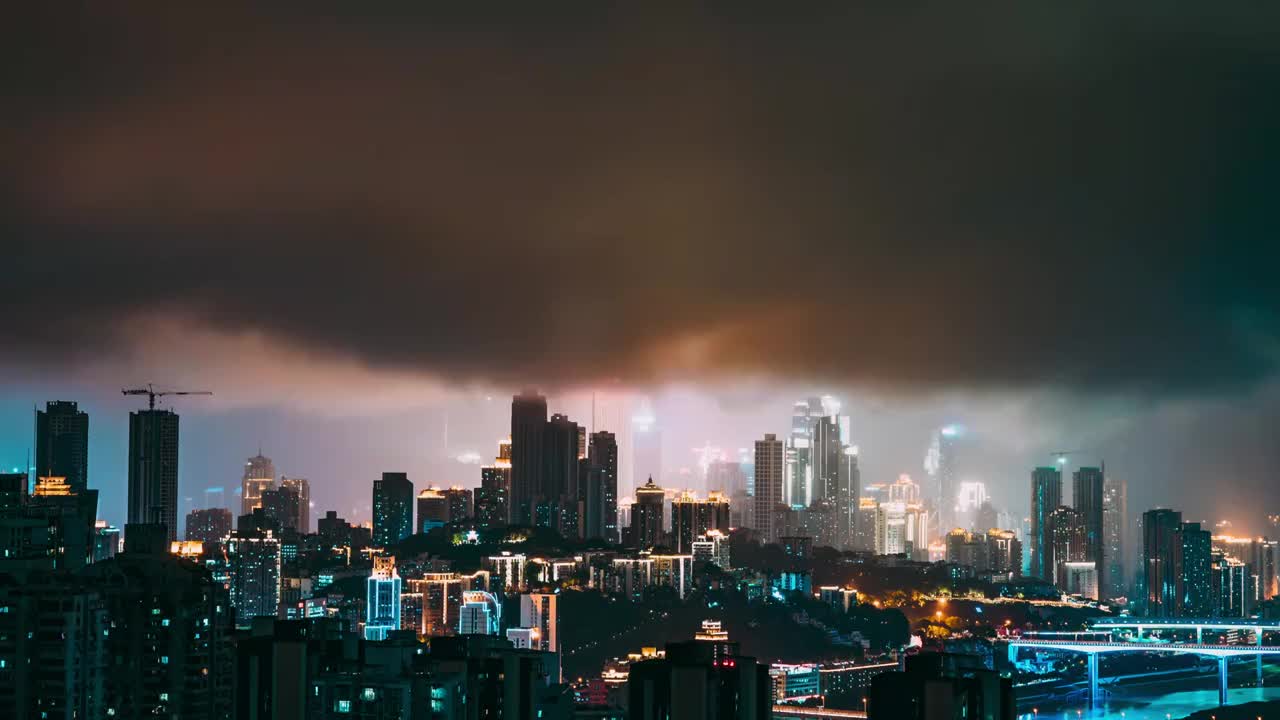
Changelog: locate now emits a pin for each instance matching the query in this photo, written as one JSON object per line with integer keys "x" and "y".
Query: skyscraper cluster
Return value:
{"x": 1069, "y": 543}
{"x": 553, "y": 482}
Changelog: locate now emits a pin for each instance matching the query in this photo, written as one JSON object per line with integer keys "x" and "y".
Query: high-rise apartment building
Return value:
{"x": 1088, "y": 495}
{"x": 392, "y": 509}
{"x": 528, "y": 427}
{"x": 768, "y": 486}
{"x": 602, "y": 453}
{"x": 62, "y": 443}
{"x": 433, "y": 510}
{"x": 254, "y": 557}
{"x": 302, "y": 488}
{"x": 538, "y": 612}
{"x": 1066, "y": 542}
{"x": 209, "y": 526}
{"x": 491, "y": 498}
{"x": 557, "y": 499}
{"x": 941, "y": 467}
{"x": 1177, "y": 564}
{"x": 647, "y": 516}
{"x": 691, "y": 517}
{"x": 1046, "y": 496}
{"x": 153, "y": 469}
{"x": 382, "y": 599}
{"x": 282, "y": 506}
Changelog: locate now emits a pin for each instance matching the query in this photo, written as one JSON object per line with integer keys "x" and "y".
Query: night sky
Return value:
{"x": 1056, "y": 225}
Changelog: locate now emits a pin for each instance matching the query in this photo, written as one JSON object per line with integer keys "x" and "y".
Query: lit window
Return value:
{"x": 343, "y": 706}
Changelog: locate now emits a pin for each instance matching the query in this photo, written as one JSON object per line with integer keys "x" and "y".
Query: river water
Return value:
{"x": 1153, "y": 707}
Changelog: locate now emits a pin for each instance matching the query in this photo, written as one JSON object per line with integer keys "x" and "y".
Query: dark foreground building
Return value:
{"x": 941, "y": 685}
{"x": 700, "y": 681}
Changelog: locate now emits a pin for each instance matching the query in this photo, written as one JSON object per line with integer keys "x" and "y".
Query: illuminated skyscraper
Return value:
{"x": 62, "y": 443}
{"x": 768, "y": 486}
{"x": 392, "y": 509}
{"x": 259, "y": 476}
{"x": 302, "y": 489}
{"x": 1115, "y": 538}
{"x": 1046, "y": 496}
{"x": 382, "y": 599}
{"x": 799, "y": 488}
{"x": 254, "y": 556}
{"x": 1197, "y": 573}
{"x": 1066, "y": 543}
{"x": 847, "y": 497}
{"x": 1162, "y": 562}
{"x": 153, "y": 469}
{"x": 528, "y": 426}
{"x": 1087, "y": 498}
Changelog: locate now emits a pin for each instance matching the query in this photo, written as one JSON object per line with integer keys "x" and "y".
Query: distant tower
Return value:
{"x": 259, "y": 475}
{"x": 153, "y": 469}
{"x": 940, "y": 464}
{"x": 382, "y": 599}
{"x": 1046, "y": 496}
{"x": 62, "y": 444}
{"x": 768, "y": 486}
{"x": 392, "y": 509}
{"x": 528, "y": 425}
{"x": 557, "y": 500}
{"x": 602, "y": 453}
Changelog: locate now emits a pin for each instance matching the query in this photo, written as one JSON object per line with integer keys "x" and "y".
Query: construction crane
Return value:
{"x": 1061, "y": 455}
{"x": 152, "y": 394}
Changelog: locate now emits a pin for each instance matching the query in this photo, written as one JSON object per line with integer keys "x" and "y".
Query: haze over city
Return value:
{"x": 1045, "y": 232}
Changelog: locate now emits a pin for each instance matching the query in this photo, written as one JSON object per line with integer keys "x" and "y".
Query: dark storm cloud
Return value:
{"x": 896, "y": 194}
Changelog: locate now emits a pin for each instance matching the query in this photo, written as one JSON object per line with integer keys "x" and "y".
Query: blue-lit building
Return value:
{"x": 382, "y": 600}
{"x": 793, "y": 582}
{"x": 1046, "y": 496}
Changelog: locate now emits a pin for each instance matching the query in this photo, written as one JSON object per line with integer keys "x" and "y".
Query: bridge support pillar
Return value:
{"x": 1222, "y": 680}
{"x": 1139, "y": 632}
{"x": 1199, "y": 635}
{"x": 1094, "y": 699}
{"x": 1258, "y": 658}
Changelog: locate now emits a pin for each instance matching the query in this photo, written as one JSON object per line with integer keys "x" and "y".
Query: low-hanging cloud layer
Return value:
{"x": 1074, "y": 197}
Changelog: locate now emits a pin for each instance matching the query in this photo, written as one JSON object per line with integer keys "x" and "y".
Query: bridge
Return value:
{"x": 815, "y": 713}
{"x": 1092, "y": 648}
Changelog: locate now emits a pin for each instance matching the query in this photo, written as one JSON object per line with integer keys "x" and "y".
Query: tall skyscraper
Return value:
{"x": 557, "y": 500}
{"x": 392, "y": 509}
{"x": 1115, "y": 525}
{"x": 62, "y": 443}
{"x": 153, "y": 469}
{"x": 1197, "y": 571}
{"x": 302, "y": 489}
{"x": 940, "y": 466}
{"x": 528, "y": 426}
{"x": 847, "y": 497}
{"x": 798, "y": 456}
{"x": 1046, "y": 496}
{"x": 382, "y": 599}
{"x": 602, "y": 453}
{"x": 769, "y": 480}
{"x": 647, "y": 516}
{"x": 259, "y": 475}
{"x": 1087, "y": 491}
{"x": 1162, "y": 562}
